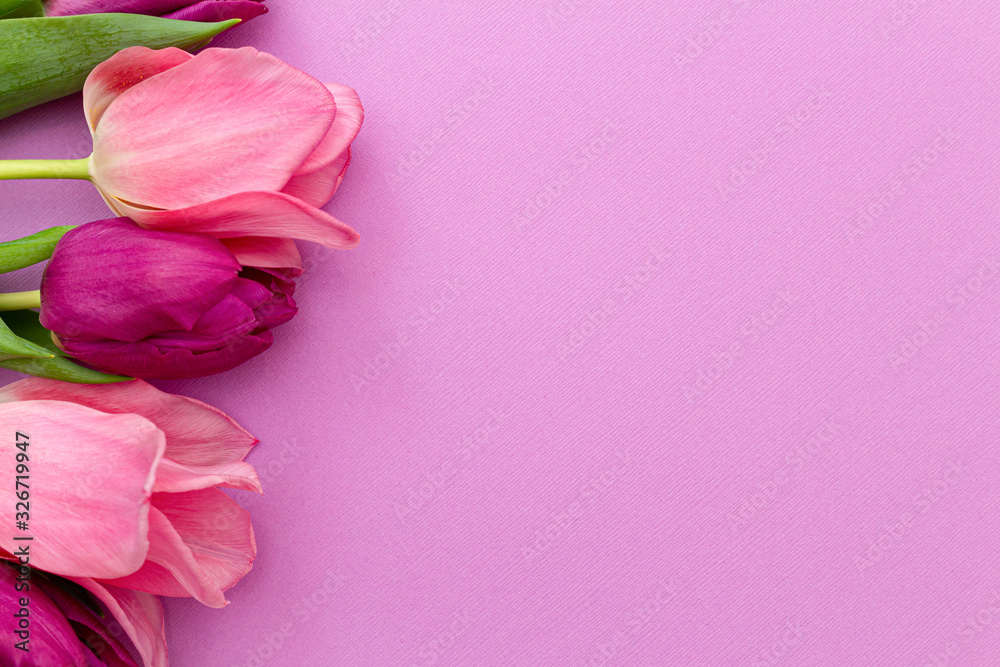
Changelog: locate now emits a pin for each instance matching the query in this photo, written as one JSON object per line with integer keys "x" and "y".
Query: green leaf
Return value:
{"x": 17, "y": 9}
{"x": 42, "y": 59}
{"x": 13, "y": 346}
{"x": 24, "y": 323}
{"x": 30, "y": 250}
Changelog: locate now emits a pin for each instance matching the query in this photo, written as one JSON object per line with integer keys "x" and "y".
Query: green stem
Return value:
{"x": 20, "y": 300}
{"x": 17, "y": 169}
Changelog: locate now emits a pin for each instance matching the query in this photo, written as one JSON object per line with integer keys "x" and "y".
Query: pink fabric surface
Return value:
{"x": 672, "y": 339}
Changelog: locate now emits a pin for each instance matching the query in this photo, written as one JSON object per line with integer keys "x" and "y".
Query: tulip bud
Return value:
{"x": 25, "y": 345}
{"x": 42, "y": 59}
{"x": 155, "y": 304}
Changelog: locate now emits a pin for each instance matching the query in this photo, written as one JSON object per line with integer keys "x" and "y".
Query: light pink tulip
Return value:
{"x": 124, "y": 496}
{"x": 230, "y": 143}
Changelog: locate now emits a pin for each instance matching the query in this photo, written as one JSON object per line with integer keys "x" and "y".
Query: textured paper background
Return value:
{"x": 672, "y": 340}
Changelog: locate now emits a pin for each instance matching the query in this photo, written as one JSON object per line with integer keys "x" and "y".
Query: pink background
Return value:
{"x": 672, "y": 340}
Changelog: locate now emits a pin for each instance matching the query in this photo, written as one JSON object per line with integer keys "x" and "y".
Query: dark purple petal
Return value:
{"x": 146, "y": 360}
{"x": 251, "y": 292}
{"x": 53, "y": 641}
{"x": 89, "y": 628}
{"x": 210, "y": 11}
{"x": 278, "y": 310}
{"x": 228, "y": 321}
{"x": 114, "y": 280}
{"x": 280, "y": 307}
{"x": 151, "y": 7}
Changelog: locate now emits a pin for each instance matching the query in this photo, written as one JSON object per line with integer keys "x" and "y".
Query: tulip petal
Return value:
{"x": 53, "y": 640}
{"x": 145, "y": 360}
{"x": 91, "y": 629}
{"x": 197, "y": 433}
{"x": 171, "y": 567}
{"x": 140, "y": 616}
{"x": 210, "y": 11}
{"x": 320, "y": 176}
{"x": 201, "y": 543}
{"x": 91, "y": 478}
{"x": 265, "y": 251}
{"x": 224, "y": 122}
{"x": 72, "y": 7}
{"x": 172, "y": 477}
{"x": 113, "y": 279}
{"x": 122, "y": 71}
{"x": 257, "y": 213}
{"x": 224, "y": 323}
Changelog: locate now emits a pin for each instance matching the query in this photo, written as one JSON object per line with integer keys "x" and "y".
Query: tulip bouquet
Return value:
{"x": 213, "y": 165}
{"x": 148, "y": 519}
{"x": 210, "y": 191}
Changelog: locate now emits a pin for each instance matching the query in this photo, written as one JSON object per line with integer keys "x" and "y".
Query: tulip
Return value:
{"x": 153, "y": 304}
{"x": 230, "y": 143}
{"x": 124, "y": 496}
{"x": 64, "y": 629}
{"x": 185, "y": 10}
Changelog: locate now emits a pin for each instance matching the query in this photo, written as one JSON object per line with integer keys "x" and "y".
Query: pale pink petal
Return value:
{"x": 179, "y": 570}
{"x": 216, "y": 528}
{"x": 197, "y": 434}
{"x": 173, "y": 477}
{"x": 265, "y": 252}
{"x": 140, "y": 616}
{"x": 120, "y": 72}
{"x": 201, "y": 543}
{"x": 320, "y": 176}
{"x": 91, "y": 476}
{"x": 224, "y": 122}
{"x": 250, "y": 213}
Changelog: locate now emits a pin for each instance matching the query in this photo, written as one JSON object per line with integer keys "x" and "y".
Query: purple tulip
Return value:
{"x": 185, "y": 10}
{"x": 153, "y": 304}
{"x": 61, "y": 631}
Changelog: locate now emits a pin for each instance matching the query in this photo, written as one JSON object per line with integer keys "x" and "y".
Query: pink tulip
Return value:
{"x": 228, "y": 143}
{"x": 124, "y": 496}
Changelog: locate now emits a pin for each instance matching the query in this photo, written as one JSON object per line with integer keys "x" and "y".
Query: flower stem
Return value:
{"x": 21, "y": 300}
{"x": 17, "y": 169}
